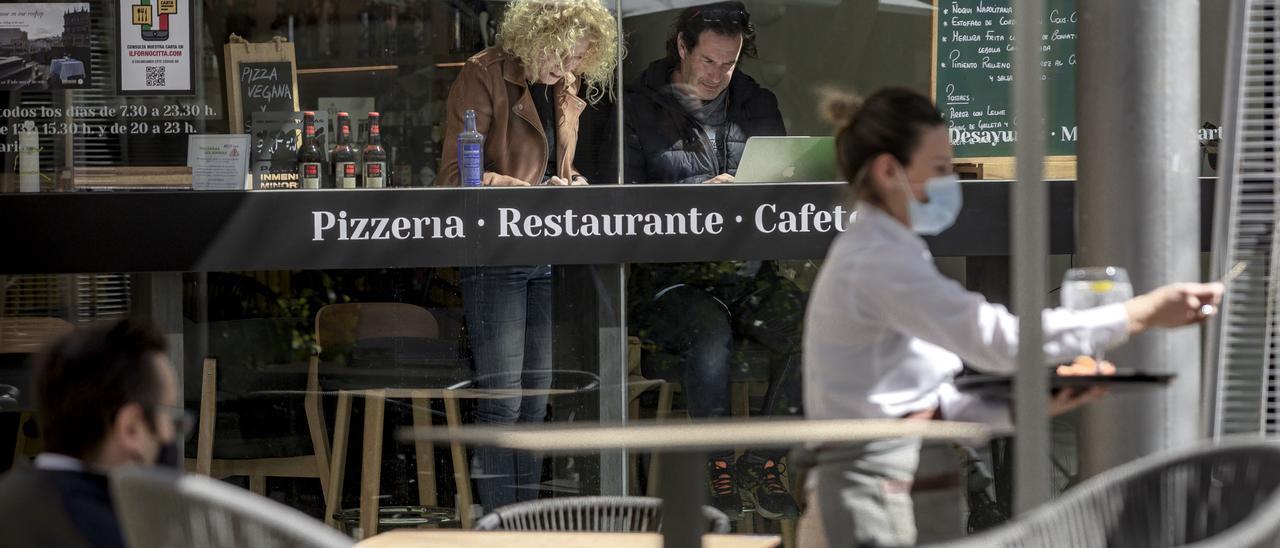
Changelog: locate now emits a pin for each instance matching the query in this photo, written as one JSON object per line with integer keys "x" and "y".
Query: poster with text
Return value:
{"x": 156, "y": 55}
{"x": 44, "y": 46}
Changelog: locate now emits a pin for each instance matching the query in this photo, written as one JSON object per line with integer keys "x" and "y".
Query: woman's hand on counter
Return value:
{"x": 1173, "y": 305}
{"x": 577, "y": 180}
{"x": 498, "y": 179}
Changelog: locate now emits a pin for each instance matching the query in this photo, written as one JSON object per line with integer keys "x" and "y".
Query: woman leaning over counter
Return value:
{"x": 525, "y": 93}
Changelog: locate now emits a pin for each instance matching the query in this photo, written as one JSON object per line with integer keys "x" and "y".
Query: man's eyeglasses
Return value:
{"x": 184, "y": 423}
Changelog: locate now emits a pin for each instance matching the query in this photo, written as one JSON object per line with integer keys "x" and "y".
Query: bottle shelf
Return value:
{"x": 348, "y": 70}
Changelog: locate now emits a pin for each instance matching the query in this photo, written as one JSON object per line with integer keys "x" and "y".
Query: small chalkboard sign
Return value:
{"x": 973, "y": 45}
{"x": 266, "y": 87}
{"x": 260, "y": 78}
{"x": 273, "y": 147}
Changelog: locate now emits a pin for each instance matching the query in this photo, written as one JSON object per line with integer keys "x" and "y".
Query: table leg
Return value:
{"x": 371, "y": 462}
{"x": 425, "y": 453}
{"x": 461, "y": 477}
{"x": 338, "y": 459}
{"x": 684, "y": 491}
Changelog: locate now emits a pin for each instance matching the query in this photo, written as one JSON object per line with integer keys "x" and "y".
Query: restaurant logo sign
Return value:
{"x": 344, "y": 227}
{"x": 514, "y": 222}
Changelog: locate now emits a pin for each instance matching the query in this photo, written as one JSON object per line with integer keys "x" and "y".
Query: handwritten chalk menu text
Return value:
{"x": 265, "y": 87}
{"x": 974, "y": 85}
{"x": 273, "y": 152}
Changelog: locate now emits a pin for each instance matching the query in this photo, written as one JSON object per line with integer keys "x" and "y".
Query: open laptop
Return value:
{"x": 788, "y": 160}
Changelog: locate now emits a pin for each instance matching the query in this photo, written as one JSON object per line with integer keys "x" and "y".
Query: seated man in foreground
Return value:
{"x": 106, "y": 397}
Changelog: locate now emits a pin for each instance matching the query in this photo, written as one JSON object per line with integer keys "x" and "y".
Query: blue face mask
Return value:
{"x": 940, "y": 212}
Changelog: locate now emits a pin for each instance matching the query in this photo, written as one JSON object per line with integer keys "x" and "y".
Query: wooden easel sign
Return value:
{"x": 260, "y": 78}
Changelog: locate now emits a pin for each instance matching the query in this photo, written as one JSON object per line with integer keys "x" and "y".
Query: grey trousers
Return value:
{"x": 862, "y": 496}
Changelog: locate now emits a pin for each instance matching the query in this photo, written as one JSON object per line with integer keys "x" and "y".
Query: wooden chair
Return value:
{"x": 21, "y": 337}
{"x": 342, "y": 326}
{"x": 259, "y": 337}
{"x": 637, "y": 385}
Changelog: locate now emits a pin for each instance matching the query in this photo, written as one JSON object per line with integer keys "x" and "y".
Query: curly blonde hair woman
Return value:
{"x": 546, "y": 49}
{"x": 543, "y": 33}
{"x": 525, "y": 96}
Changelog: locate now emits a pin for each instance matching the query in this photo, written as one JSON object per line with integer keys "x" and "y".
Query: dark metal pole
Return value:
{"x": 1030, "y": 255}
{"x": 612, "y": 333}
{"x": 683, "y": 490}
{"x": 1139, "y": 205}
{"x": 611, "y": 350}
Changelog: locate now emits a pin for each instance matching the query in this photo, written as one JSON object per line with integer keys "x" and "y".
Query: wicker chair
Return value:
{"x": 1221, "y": 495}
{"x": 161, "y": 509}
{"x": 594, "y": 514}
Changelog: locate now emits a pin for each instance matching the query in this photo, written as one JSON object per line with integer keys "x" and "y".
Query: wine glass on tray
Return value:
{"x": 1085, "y": 288}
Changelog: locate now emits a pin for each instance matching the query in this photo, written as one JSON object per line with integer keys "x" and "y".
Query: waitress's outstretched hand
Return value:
{"x": 1173, "y": 305}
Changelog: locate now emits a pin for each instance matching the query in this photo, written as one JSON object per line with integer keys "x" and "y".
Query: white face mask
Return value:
{"x": 940, "y": 212}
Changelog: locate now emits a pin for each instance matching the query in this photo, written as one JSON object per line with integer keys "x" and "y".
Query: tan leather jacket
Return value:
{"x": 493, "y": 83}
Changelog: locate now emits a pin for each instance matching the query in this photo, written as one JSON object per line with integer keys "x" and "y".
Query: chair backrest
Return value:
{"x": 343, "y": 324}
{"x": 384, "y": 345}
{"x": 162, "y": 509}
{"x": 591, "y": 514}
{"x": 1223, "y": 495}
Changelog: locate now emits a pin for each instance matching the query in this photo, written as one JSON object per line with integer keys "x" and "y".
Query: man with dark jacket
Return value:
{"x": 689, "y": 115}
{"x": 105, "y": 397}
{"x": 687, "y": 120}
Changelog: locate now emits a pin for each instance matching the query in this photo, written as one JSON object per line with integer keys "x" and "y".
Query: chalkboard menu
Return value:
{"x": 973, "y": 75}
{"x": 260, "y": 77}
{"x": 266, "y": 87}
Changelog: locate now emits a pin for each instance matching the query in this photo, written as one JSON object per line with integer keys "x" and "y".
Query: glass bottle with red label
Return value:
{"x": 374, "y": 157}
{"x": 310, "y": 157}
{"x": 343, "y": 156}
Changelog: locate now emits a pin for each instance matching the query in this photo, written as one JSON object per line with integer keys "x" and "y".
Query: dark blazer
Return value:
{"x": 40, "y": 508}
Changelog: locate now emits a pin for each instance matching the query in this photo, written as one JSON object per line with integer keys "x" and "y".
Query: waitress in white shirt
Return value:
{"x": 885, "y": 332}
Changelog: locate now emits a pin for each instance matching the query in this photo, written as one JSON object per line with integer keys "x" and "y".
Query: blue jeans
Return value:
{"x": 697, "y": 329}
{"x": 694, "y": 327}
{"x": 508, "y": 311}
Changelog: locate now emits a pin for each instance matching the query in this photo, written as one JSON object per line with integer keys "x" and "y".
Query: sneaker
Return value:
{"x": 724, "y": 490}
{"x": 762, "y": 480}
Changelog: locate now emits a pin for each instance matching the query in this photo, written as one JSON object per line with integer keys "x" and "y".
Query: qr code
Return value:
{"x": 155, "y": 77}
